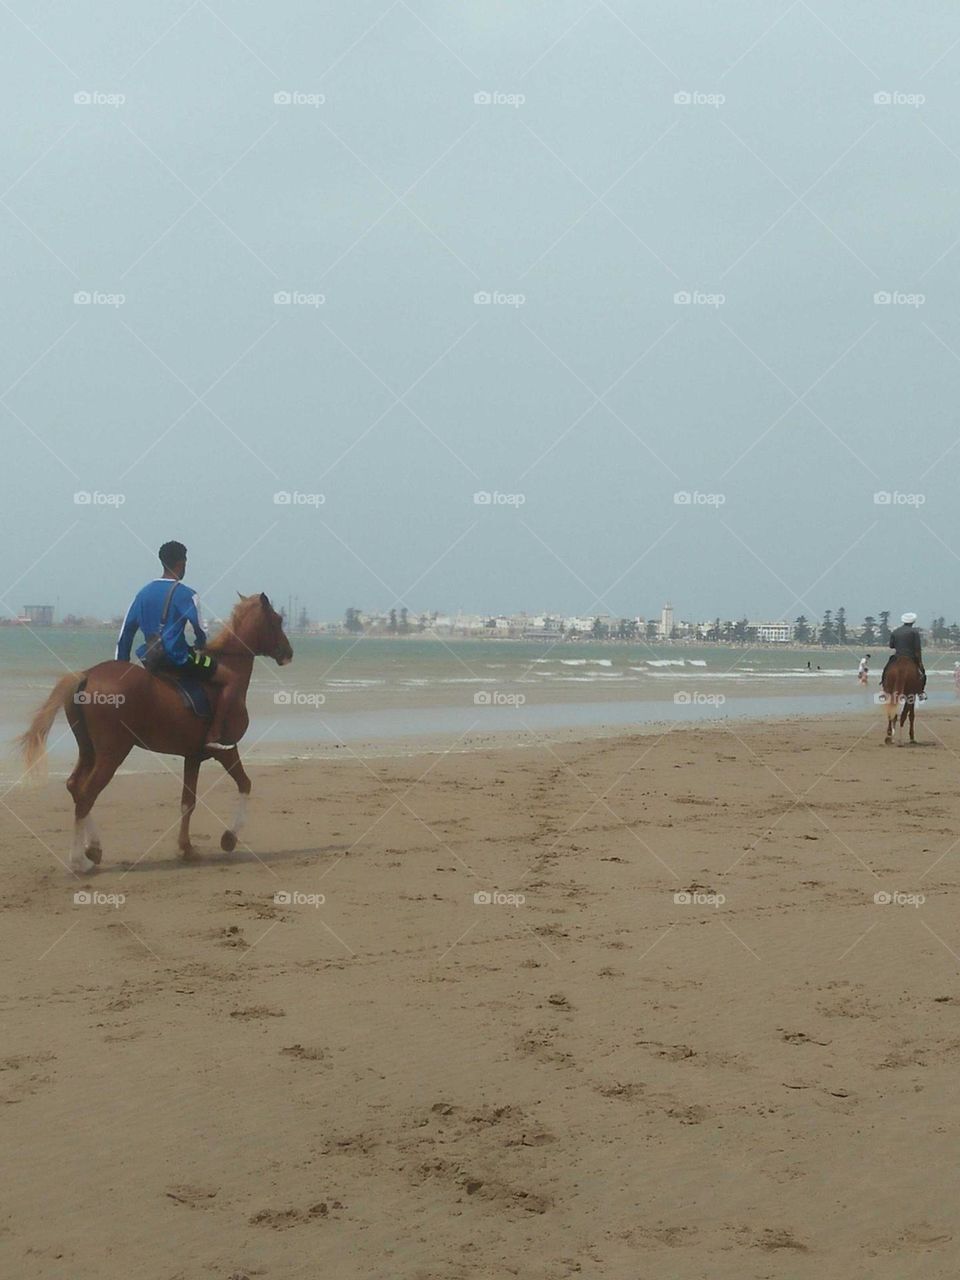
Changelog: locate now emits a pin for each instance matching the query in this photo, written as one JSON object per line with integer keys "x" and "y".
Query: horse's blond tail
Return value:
{"x": 32, "y": 745}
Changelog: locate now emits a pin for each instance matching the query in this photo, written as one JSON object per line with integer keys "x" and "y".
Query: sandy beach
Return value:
{"x": 683, "y": 1038}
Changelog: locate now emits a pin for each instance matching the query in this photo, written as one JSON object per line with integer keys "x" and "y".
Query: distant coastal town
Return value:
{"x": 834, "y": 628}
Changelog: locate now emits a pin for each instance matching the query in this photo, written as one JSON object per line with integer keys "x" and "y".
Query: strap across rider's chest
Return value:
{"x": 166, "y": 605}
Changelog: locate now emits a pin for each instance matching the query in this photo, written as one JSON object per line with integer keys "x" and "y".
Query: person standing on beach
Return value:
{"x": 864, "y": 669}
{"x": 161, "y": 610}
{"x": 905, "y": 643}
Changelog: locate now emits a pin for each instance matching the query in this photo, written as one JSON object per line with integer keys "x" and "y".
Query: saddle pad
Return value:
{"x": 194, "y": 695}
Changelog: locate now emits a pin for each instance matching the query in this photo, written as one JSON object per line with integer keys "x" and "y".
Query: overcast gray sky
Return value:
{"x": 585, "y": 195}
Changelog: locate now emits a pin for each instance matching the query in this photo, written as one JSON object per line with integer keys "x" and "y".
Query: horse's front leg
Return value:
{"x": 231, "y": 762}
{"x": 188, "y": 802}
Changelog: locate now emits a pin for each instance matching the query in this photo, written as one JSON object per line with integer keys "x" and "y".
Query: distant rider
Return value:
{"x": 905, "y": 642}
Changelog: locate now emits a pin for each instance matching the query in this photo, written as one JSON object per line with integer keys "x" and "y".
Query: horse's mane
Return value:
{"x": 240, "y": 612}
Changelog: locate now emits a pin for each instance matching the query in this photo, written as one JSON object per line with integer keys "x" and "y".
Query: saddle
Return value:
{"x": 192, "y": 691}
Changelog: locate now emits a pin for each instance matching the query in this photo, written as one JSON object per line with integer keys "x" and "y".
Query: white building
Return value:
{"x": 774, "y": 632}
{"x": 578, "y": 626}
{"x": 666, "y": 622}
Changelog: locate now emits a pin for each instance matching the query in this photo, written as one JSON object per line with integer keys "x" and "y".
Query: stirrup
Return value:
{"x": 219, "y": 746}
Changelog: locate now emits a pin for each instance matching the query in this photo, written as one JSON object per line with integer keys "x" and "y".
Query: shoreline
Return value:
{"x": 277, "y": 753}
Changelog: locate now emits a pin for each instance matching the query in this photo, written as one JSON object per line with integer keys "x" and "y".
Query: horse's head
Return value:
{"x": 261, "y": 628}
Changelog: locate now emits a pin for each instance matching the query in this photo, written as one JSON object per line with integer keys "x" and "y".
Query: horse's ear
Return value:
{"x": 240, "y": 594}
{"x": 263, "y": 600}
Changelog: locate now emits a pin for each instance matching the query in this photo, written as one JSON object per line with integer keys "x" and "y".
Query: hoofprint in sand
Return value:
{"x": 683, "y": 1005}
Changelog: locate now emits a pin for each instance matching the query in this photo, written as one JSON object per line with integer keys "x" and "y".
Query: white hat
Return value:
{"x": 909, "y": 617}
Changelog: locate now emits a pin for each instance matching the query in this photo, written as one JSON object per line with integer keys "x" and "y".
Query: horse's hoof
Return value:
{"x": 228, "y": 842}
{"x": 82, "y": 866}
{"x": 95, "y": 854}
{"x": 189, "y": 854}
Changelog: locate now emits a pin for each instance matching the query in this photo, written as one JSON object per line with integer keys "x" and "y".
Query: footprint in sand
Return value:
{"x": 193, "y": 1196}
{"x": 501, "y": 1195}
{"x": 306, "y": 1053}
{"x": 281, "y": 1219}
{"x": 773, "y": 1238}
{"x": 629, "y": 1092}
{"x": 26, "y": 1075}
{"x": 257, "y": 1011}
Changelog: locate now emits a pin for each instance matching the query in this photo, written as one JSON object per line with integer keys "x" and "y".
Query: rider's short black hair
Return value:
{"x": 172, "y": 553}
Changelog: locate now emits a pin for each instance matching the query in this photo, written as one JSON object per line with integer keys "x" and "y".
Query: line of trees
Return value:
{"x": 833, "y": 629}
{"x": 398, "y": 624}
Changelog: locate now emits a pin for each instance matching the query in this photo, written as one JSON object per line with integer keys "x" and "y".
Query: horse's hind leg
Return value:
{"x": 231, "y": 762}
{"x": 86, "y": 852}
{"x": 891, "y": 709}
{"x": 85, "y": 750}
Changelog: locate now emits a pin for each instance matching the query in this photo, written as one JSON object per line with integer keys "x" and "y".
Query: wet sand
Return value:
{"x": 699, "y": 1047}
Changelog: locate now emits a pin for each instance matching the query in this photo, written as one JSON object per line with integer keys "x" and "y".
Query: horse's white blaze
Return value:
{"x": 239, "y": 814}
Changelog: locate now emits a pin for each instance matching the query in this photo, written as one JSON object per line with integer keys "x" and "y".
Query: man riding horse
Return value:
{"x": 905, "y": 643}
{"x": 115, "y": 706}
{"x": 161, "y": 610}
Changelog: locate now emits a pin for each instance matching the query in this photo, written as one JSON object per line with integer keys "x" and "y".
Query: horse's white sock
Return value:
{"x": 239, "y": 814}
{"x": 78, "y": 858}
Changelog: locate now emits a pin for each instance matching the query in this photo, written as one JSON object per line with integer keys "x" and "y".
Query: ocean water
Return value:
{"x": 342, "y": 691}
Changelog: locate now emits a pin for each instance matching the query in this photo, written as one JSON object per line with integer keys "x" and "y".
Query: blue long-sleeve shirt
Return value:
{"x": 145, "y": 613}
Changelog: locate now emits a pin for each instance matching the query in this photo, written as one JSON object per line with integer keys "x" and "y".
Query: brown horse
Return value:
{"x": 116, "y": 706}
{"x": 901, "y": 680}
